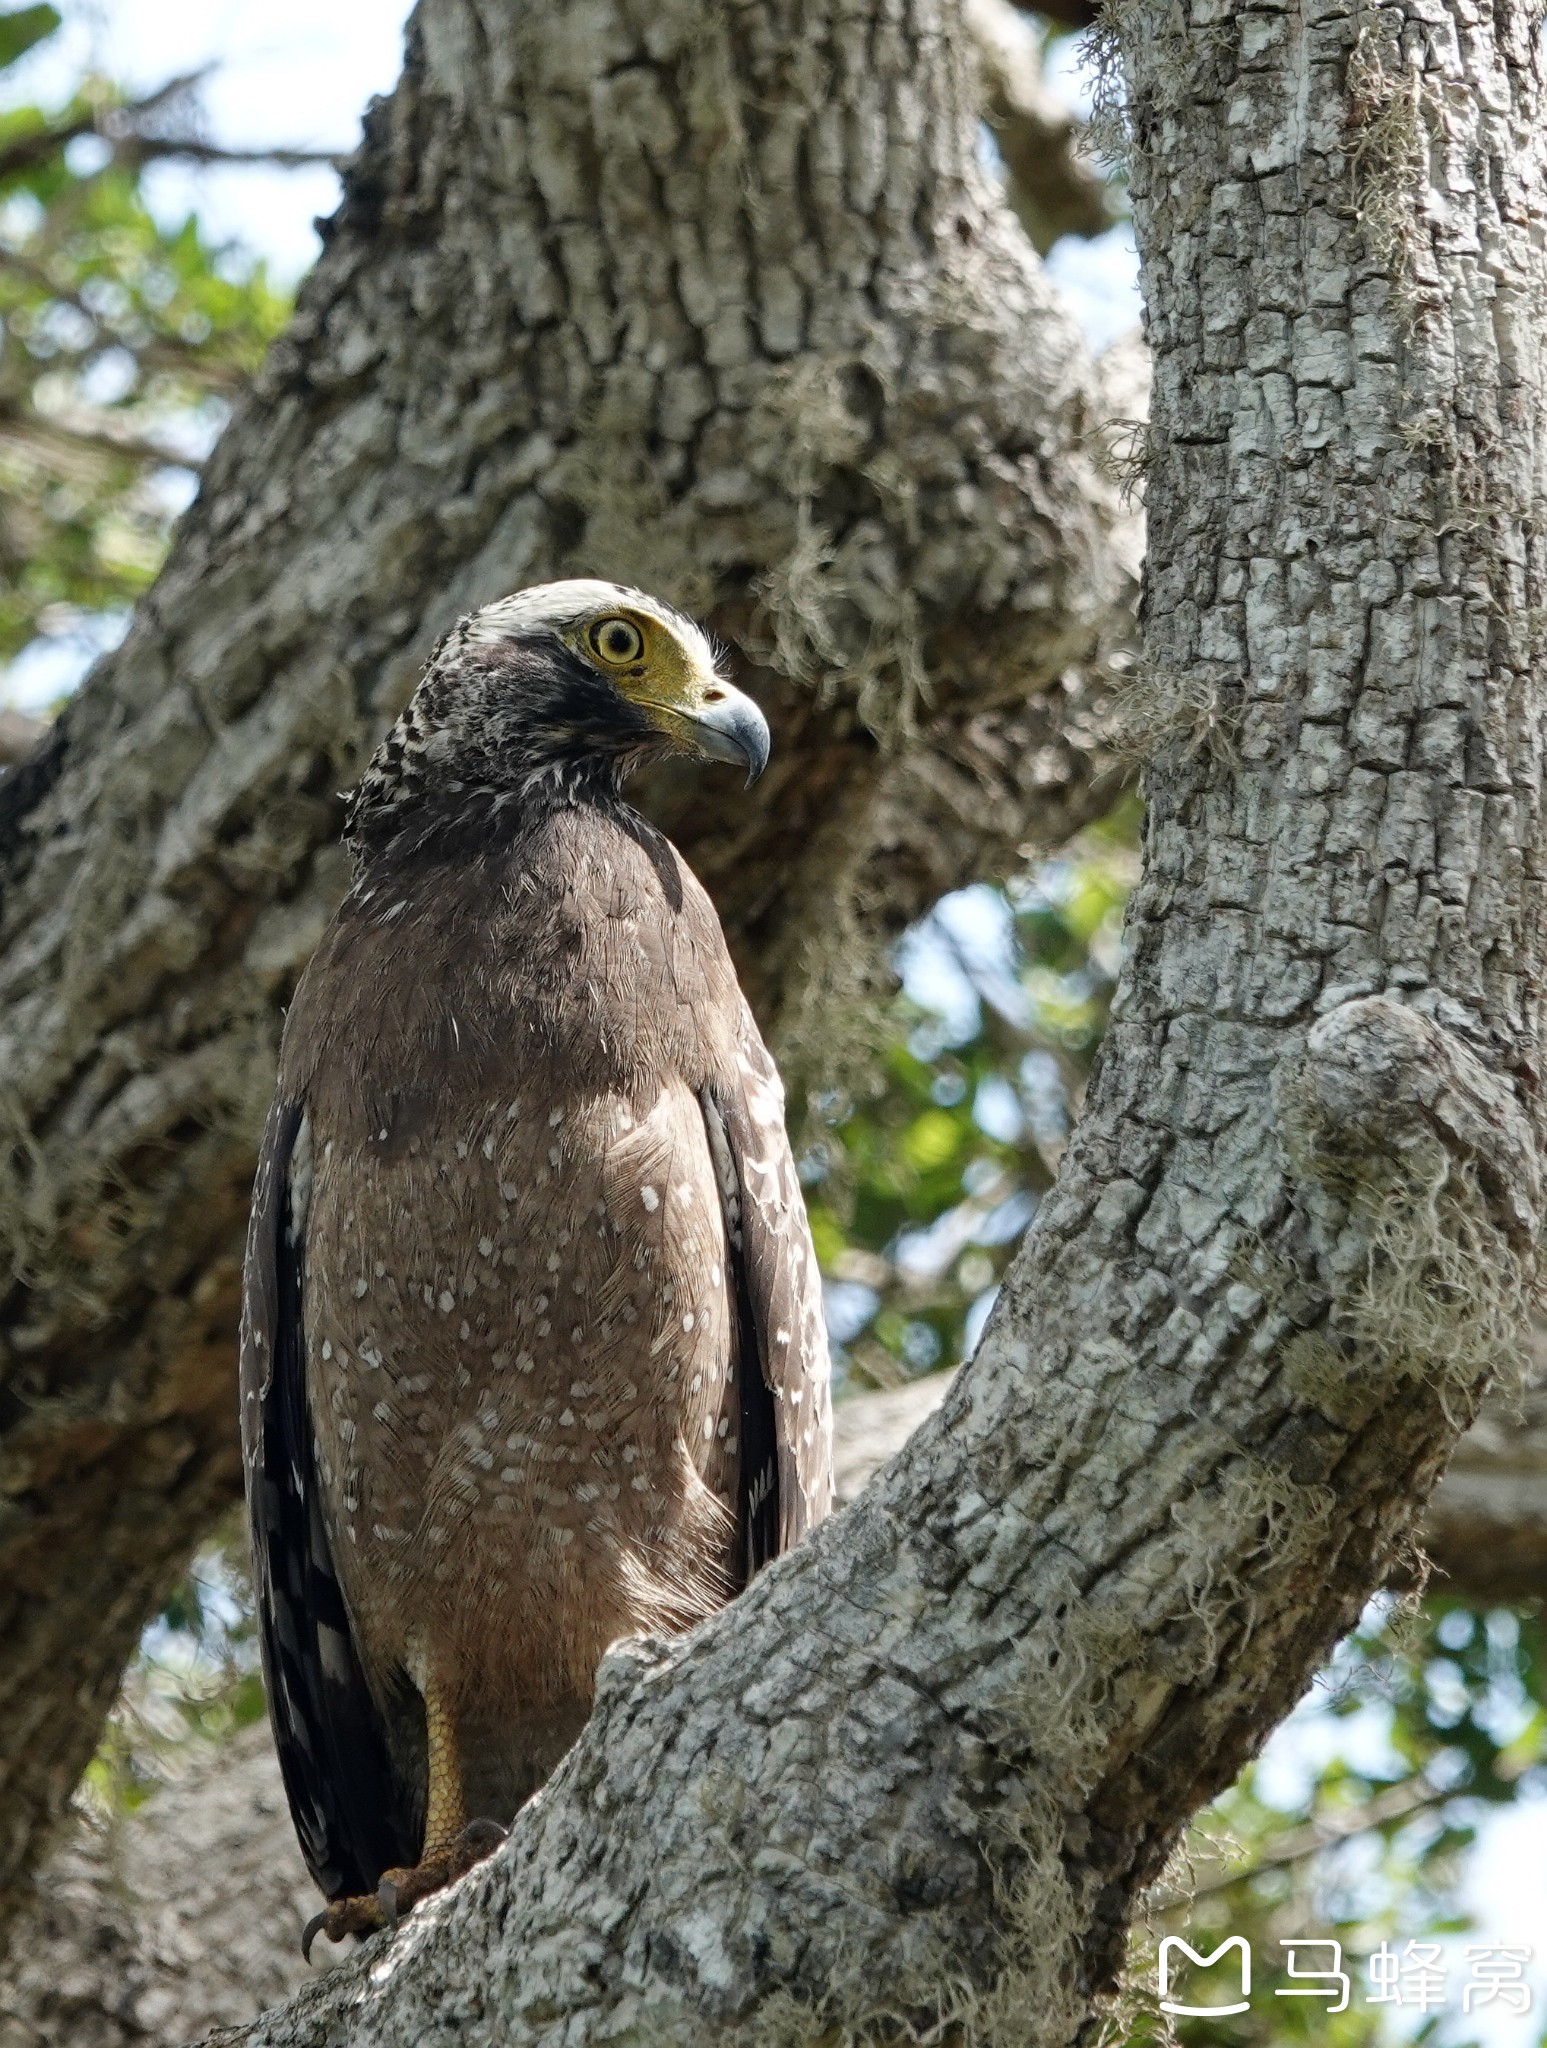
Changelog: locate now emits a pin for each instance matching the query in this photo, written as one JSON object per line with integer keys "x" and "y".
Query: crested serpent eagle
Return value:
{"x": 532, "y": 1345}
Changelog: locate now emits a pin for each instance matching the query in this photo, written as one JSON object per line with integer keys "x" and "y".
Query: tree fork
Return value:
{"x": 718, "y": 304}
{"x": 921, "y": 1771}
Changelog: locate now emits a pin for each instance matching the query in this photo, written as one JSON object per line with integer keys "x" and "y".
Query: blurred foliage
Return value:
{"x": 919, "y": 1195}
{"x": 195, "y": 1678}
{"x": 1442, "y": 1721}
{"x": 120, "y": 343}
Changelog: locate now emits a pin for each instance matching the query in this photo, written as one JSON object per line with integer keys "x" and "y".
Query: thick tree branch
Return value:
{"x": 723, "y": 307}
{"x": 1056, "y": 187}
{"x": 1485, "y": 1532}
{"x": 127, "y": 1937}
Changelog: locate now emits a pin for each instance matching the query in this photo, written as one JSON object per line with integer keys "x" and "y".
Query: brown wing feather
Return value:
{"x": 777, "y": 1270}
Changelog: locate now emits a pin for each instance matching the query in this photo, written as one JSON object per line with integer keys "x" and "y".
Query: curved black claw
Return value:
{"x": 362, "y": 1916}
{"x": 401, "y": 1890}
{"x": 310, "y": 1932}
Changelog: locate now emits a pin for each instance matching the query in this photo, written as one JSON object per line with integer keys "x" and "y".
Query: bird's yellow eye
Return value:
{"x": 616, "y": 641}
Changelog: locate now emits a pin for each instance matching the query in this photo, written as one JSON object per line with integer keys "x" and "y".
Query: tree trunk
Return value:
{"x": 921, "y": 1770}
{"x": 1484, "y": 1535}
{"x": 184, "y": 1916}
{"x": 724, "y": 307}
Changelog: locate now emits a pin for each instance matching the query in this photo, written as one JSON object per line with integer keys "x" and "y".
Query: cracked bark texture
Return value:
{"x": 1484, "y": 1532}
{"x": 125, "y": 1942}
{"x": 718, "y": 302}
{"x": 923, "y": 1768}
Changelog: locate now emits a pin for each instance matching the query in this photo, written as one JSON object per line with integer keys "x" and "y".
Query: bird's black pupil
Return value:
{"x": 619, "y": 641}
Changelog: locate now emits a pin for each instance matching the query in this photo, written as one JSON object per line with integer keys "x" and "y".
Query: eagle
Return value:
{"x": 533, "y": 1355}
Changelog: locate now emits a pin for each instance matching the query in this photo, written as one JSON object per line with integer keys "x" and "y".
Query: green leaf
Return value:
{"x": 177, "y": 319}
{"x": 22, "y": 29}
{"x": 932, "y": 1139}
{"x": 826, "y": 1236}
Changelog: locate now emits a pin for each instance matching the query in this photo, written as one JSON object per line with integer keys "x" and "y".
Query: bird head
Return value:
{"x": 556, "y": 694}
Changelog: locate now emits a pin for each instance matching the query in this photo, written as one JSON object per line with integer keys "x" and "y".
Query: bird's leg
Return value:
{"x": 452, "y": 1843}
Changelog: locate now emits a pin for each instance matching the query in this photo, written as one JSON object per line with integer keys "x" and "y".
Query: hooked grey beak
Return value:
{"x": 731, "y": 728}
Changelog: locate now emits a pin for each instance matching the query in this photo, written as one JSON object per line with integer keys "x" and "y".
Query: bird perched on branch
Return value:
{"x": 533, "y": 1354}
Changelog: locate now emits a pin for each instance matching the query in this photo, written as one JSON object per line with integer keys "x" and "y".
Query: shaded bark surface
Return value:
{"x": 721, "y": 305}
{"x": 922, "y": 1769}
{"x": 128, "y": 1940}
{"x": 1484, "y": 1532}
{"x": 184, "y": 1917}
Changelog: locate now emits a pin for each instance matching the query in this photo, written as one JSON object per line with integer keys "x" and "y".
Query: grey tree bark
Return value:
{"x": 127, "y": 1940}
{"x": 722, "y": 304}
{"x": 920, "y": 1772}
{"x": 1484, "y": 1531}
{"x": 183, "y": 1917}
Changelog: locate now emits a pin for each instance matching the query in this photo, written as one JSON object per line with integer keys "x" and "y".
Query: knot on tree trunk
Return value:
{"x": 1378, "y": 1083}
{"x": 1415, "y": 1169}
